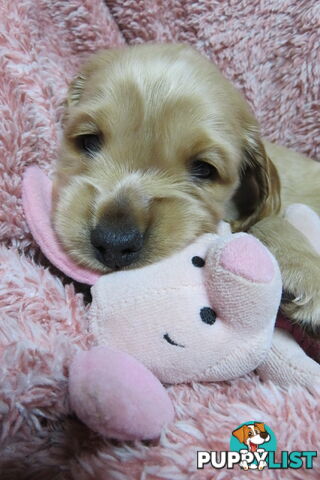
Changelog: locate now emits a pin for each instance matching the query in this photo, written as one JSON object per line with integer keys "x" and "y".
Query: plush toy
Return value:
{"x": 206, "y": 313}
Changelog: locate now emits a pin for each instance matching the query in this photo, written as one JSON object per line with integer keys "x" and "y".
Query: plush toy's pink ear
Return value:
{"x": 36, "y": 198}
{"x": 307, "y": 221}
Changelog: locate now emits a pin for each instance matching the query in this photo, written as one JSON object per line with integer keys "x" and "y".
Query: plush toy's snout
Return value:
{"x": 243, "y": 254}
{"x": 242, "y": 265}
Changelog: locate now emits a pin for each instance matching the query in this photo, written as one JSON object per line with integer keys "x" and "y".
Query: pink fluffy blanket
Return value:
{"x": 270, "y": 51}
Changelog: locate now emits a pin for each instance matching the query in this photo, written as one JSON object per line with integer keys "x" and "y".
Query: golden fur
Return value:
{"x": 158, "y": 110}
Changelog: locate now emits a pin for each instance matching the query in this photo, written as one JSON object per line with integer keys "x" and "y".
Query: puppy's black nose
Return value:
{"x": 116, "y": 245}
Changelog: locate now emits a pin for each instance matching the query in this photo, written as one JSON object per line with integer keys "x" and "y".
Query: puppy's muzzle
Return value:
{"x": 117, "y": 245}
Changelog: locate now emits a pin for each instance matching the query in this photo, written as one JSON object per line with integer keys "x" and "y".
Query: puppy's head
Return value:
{"x": 157, "y": 148}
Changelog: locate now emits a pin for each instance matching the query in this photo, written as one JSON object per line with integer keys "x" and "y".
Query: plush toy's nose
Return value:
{"x": 246, "y": 257}
{"x": 116, "y": 245}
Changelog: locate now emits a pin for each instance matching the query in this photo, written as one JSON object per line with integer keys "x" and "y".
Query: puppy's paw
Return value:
{"x": 301, "y": 305}
{"x": 301, "y": 285}
{"x": 300, "y": 269}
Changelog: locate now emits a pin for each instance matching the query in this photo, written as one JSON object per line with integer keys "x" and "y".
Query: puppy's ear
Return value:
{"x": 258, "y": 194}
{"x": 241, "y": 433}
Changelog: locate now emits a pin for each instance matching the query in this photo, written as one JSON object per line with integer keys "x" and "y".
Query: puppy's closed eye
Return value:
{"x": 89, "y": 143}
{"x": 202, "y": 170}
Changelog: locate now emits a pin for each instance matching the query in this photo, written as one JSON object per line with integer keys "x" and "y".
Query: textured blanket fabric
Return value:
{"x": 270, "y": 50}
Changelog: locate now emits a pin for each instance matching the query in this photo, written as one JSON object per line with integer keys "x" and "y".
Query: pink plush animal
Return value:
{"x": 205, "y": 314}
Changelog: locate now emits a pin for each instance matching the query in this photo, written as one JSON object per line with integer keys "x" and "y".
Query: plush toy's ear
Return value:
{"x": 36, "y": 198}
{"x": 224, "y": 229}
{"x": 307, "y": 221}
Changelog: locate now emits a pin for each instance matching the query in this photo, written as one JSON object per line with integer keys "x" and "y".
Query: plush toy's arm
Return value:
{"x": 287, "y": 364}
{"x": 116, "y": 396}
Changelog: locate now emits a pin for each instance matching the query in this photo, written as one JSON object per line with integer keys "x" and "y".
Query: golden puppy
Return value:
{"x": 157, "y": 148}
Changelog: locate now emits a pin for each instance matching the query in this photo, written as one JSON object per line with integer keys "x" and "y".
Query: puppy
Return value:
{"x": 158, "y": 147}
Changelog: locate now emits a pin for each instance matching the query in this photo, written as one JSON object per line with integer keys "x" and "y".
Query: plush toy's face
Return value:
{"x": 206, "y": 313}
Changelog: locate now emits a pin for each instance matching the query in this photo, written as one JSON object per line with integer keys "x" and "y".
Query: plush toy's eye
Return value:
{"x": 198, "y": 261}
{"x": 203, "y": 170}
{"x": 89, "y": 143}
{"x": 207, "y": 315}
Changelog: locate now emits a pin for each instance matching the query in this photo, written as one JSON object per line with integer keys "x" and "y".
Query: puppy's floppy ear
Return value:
{"x": 241, "y": 433}
{"x": 258, "y": 194}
